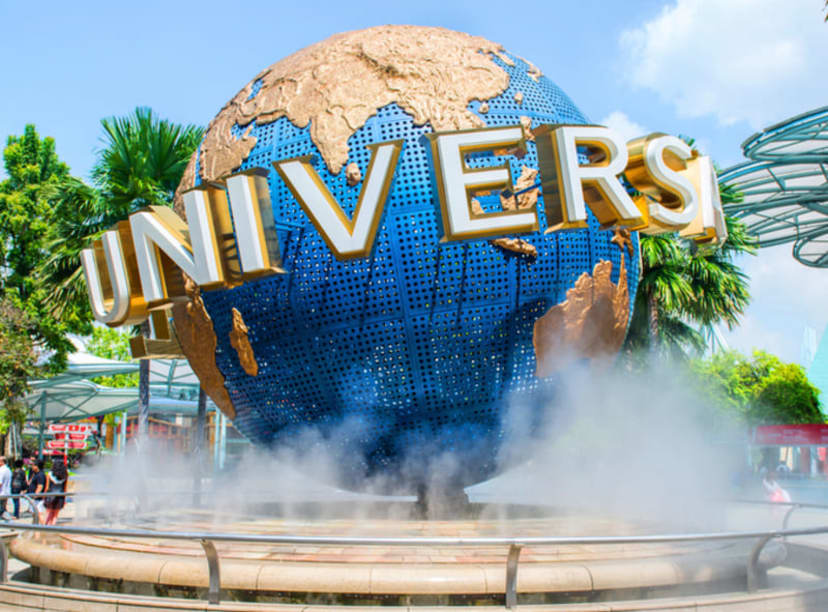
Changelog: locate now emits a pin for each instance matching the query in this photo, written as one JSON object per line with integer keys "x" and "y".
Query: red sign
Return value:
{"x": 791, "y": 435}
{"x": 70, "y": 428}
{"x": 62, "y": 444}
{"x": 71, "y": 436}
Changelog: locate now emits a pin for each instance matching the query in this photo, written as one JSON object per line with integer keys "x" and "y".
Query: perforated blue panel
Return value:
{"x": 416, "y": 349}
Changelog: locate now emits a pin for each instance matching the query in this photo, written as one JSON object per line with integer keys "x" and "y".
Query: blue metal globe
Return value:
{"x": 418, "y": 349}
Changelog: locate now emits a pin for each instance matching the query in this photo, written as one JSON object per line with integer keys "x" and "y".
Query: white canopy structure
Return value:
{"x": 71, "y": 395}
{"x": 173, "y": 378}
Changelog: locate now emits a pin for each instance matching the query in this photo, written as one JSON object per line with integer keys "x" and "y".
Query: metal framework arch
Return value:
{"x": 785, "y": 186}
{"x": 802, "y": 138}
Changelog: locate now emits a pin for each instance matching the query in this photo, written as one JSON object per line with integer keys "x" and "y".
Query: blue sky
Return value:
{"x": 712, "y": 69}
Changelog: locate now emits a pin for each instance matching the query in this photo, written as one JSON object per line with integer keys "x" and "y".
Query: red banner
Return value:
{"x": 71, "y": 436}
{"x": 70, "y": 428}
{"x": 62, "y": 444}
{"x": 791, "y": 435}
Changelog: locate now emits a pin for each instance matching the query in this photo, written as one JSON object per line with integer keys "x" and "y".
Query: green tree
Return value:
{"x": 785, "y": 395}
{"x": 112, "y": 344}
{"x": 18, "y": 364}
{"x": 760, "y": 390}
{"x": 26, "y": 226}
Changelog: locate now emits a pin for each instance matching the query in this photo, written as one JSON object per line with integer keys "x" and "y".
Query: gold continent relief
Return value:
{"x": 335, "y": 86}
{"x": 197, "y": 337}
{"x": 590, "y": 323}
{"x": 240, "y": 342}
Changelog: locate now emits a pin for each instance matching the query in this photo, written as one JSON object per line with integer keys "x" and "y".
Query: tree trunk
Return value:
{"x": 143, "y": 390}
{"x": 110, "y": 435}
{"x": 17, "y": 445}
{"x": 652, "y": 312}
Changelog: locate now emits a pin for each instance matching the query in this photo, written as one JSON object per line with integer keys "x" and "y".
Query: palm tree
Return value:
{"x": 719, "y": 287}
{"x": 663, "y": 291}
{"x": 682, "y": 287}
{"x": 143, "y": 159}
{"x": 140, "y": 164}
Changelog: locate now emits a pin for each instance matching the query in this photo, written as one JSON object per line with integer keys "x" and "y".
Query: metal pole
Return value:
{"x": 123, "y": 433}
{"x": 216, "y": 417}
{"x": 788, "y": 515}
{"x": 756, "y": 576}
{"x": 511, "y": 575}
{"x": 143, "y": 400}
{"x": 223, "y": 443}
{"x": 33, "y": 506}
{"x": 213, "y": 593}
{"x": 4, "y": 562}
{"x": 42, "y": 426}
{"x": 198, "y": 445}
{"x": 143, "y": 389}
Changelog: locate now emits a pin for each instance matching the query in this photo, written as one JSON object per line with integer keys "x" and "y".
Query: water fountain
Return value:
{"x": 377, "y": 283}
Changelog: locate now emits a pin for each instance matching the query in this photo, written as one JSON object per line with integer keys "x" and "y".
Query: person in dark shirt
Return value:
{"x": 19, "y": 484}
{"x": 37, "y": 479}
{"x": 37, "y": 484}
{"x": 55, "y": 483}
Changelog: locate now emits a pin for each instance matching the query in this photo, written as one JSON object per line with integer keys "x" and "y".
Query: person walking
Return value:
{"x": 773, "y": 490}
{"x": 56, "y": 481}
{"x": 37, "y": 482}
{"x": 5, "y": 485}
{"x": 19, "y": 483}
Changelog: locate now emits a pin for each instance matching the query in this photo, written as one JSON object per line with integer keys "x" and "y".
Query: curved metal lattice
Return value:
{"x": 785, "y": 186}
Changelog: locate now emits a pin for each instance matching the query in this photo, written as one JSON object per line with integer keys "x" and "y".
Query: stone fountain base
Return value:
{"x": 377, "y": 575}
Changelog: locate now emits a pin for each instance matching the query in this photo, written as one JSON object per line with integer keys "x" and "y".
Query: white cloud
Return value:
{"x": 786, "y": 297}
{"x": 754, "y": 60}
{"x": 621, "y": 123}
{"x": 629, "y": 129}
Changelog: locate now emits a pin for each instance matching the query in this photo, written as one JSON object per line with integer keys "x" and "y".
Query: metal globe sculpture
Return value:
{"x": 417, "y": 349}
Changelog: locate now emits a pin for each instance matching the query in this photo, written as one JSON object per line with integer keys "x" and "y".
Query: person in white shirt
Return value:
{"x": 773, "y": 490}
{"x": 5, "y": 484}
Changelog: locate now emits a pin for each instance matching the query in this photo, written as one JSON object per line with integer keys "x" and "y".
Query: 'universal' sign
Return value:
{"x": 230, "y": 233}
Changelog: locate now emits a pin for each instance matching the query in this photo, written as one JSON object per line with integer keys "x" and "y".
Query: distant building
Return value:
{"x": 818, "y": 371}
{"x": 807, "y": 351}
